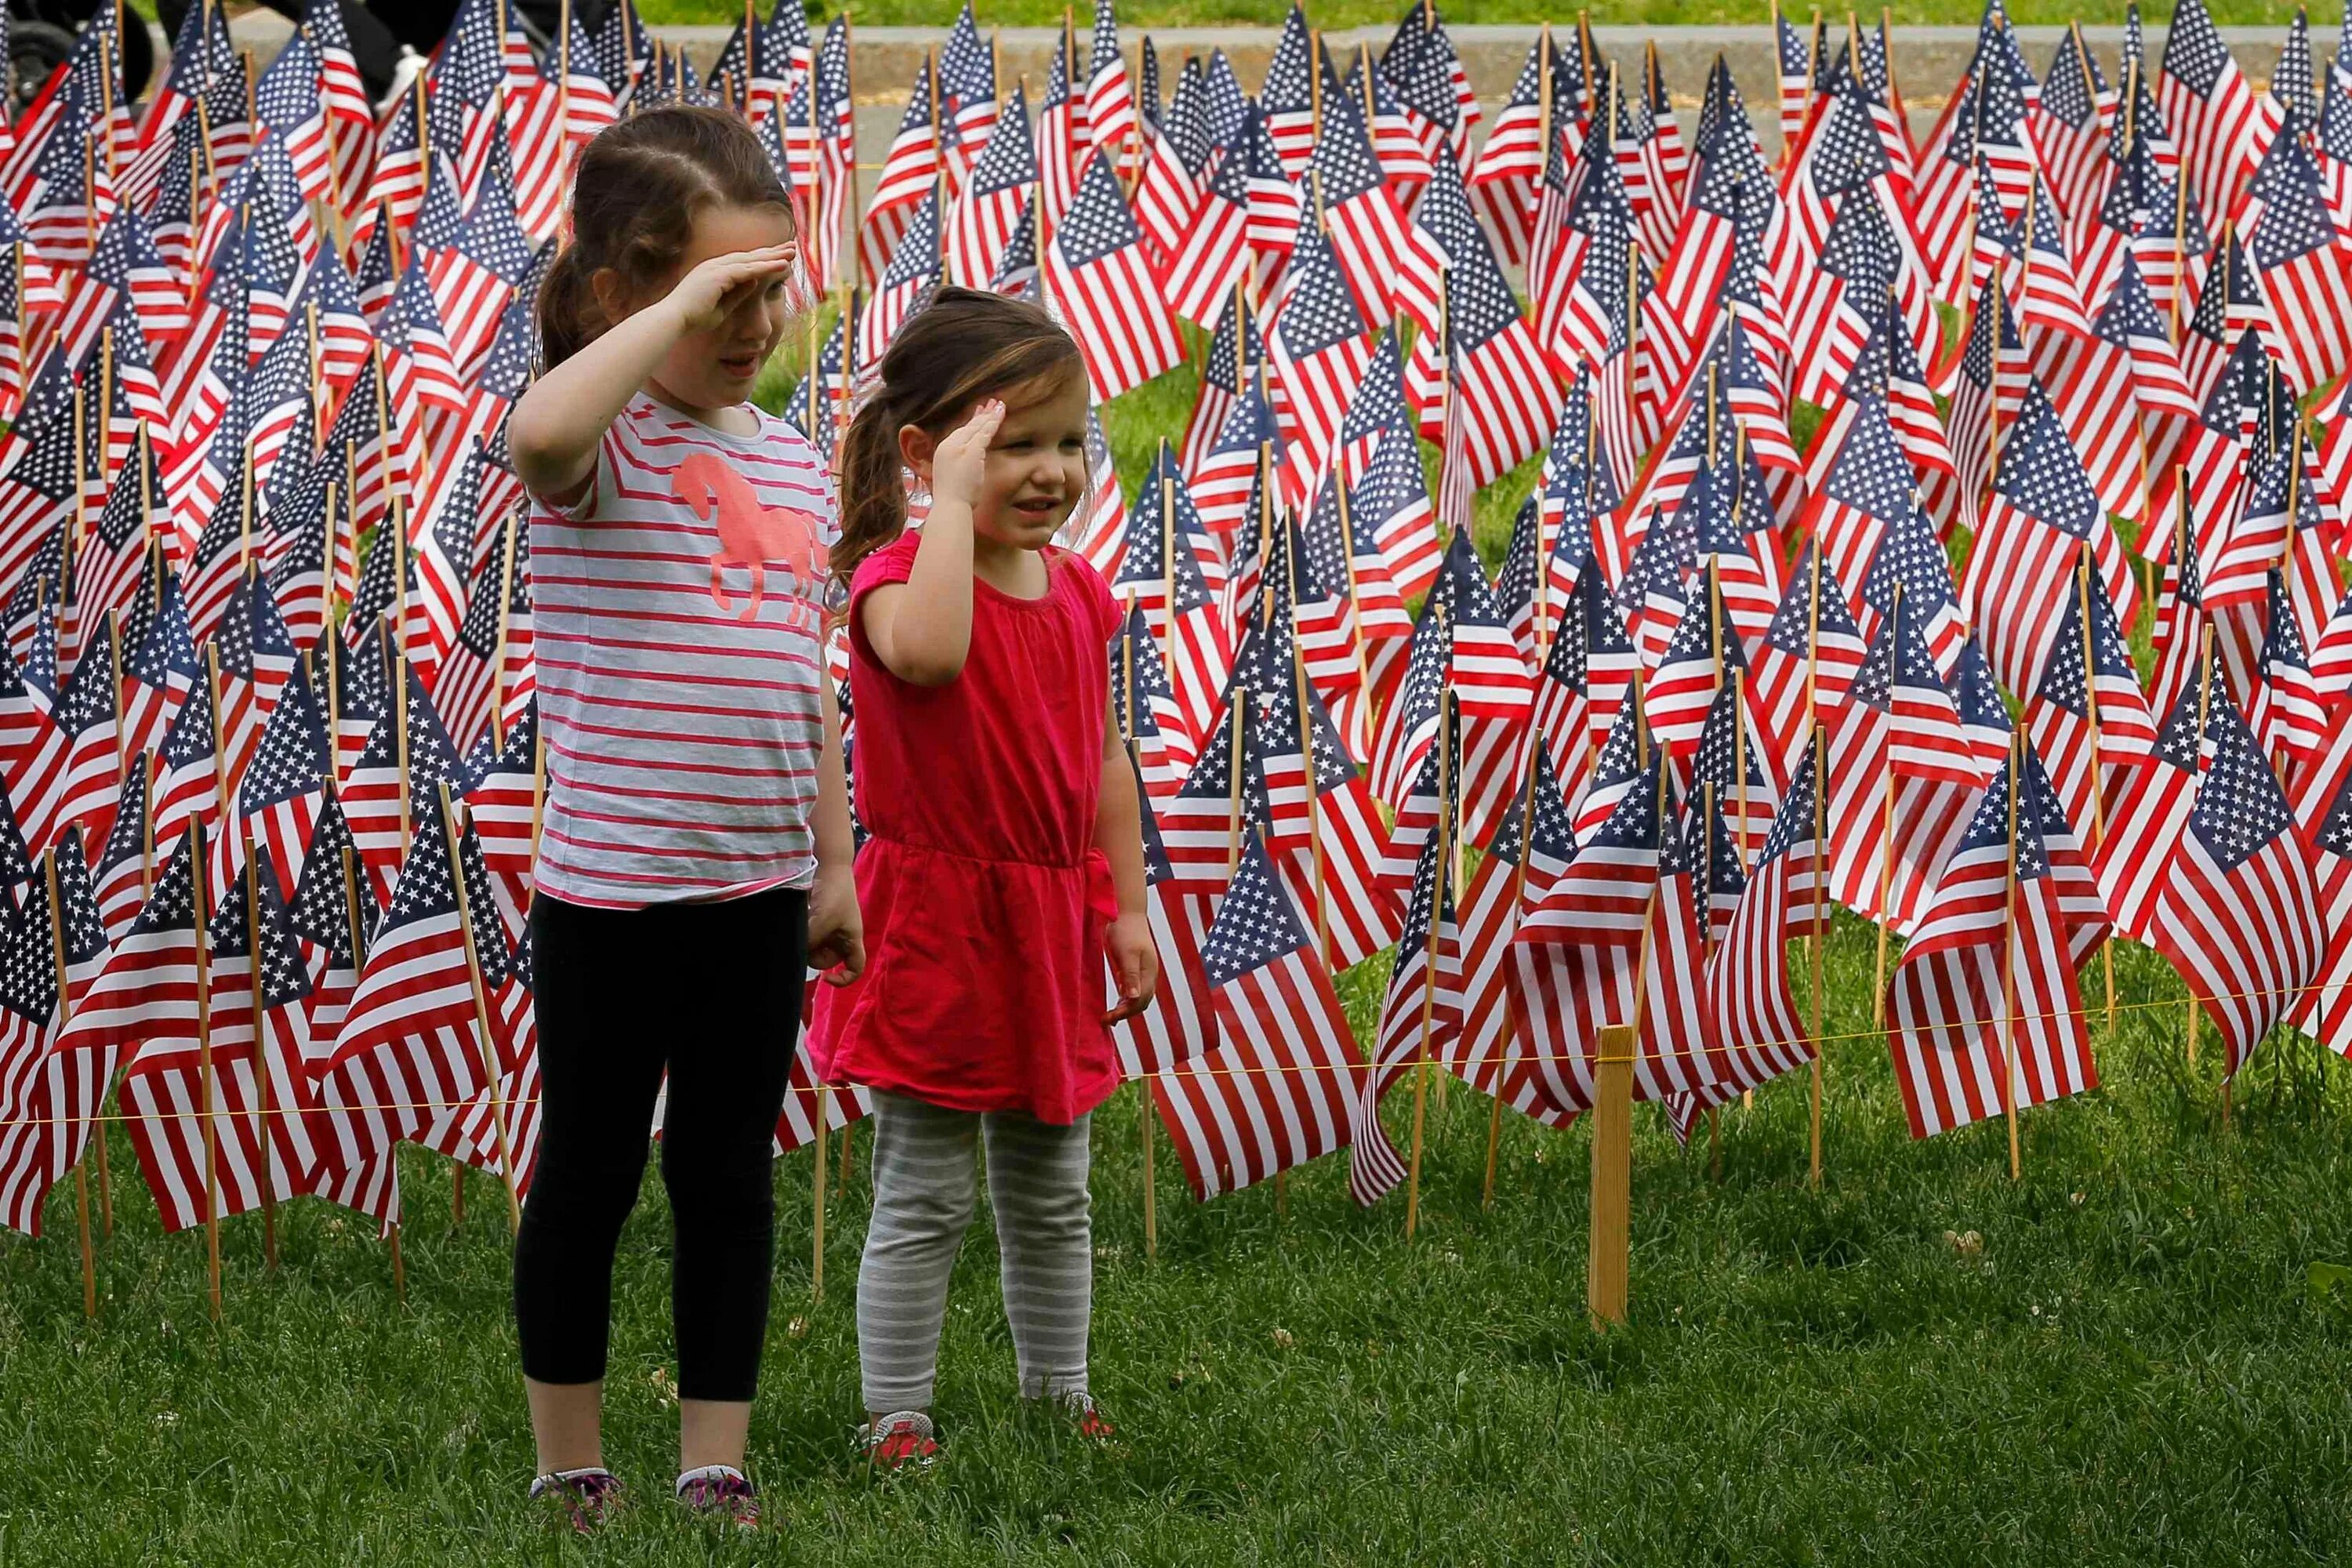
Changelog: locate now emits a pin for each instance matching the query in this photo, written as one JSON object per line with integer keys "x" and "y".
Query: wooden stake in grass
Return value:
{"x": 1608, "y": 1248}
{"x": 1819, "y": 871}
{"x": 2098, "y": 784}
{"x": 64, "y": 1016}
{"x": 2009, "y": 964}
{"x": 359, "y": 962}
{"x": 205, "y": 1080}
{"x": 265, "y": 1140}
{"x": 491, "y": 1073}
{"x": 1445, "y": 723}
{"x": 1886, "y": 843}
{"x": 816, "y": 1241}
{"x": 1127, "y": 716}
{"x": 2204, "y": 697}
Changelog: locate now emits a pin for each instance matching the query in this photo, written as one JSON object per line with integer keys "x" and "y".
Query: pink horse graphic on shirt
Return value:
{"x": 751, "y": 533}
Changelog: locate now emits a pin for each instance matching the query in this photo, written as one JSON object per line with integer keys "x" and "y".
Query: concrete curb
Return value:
{"x": 1928, "y": 60}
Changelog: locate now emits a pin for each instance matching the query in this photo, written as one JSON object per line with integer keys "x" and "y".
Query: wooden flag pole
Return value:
{"x": 205, "y": 1078}
{"x": 2098, "y": 790}
{"x": 2204, "y": 697}
{"x": 816, "y": 1241}
{"x": 1813, "y": 737}
{"x": 1444, "y": 830}
{"x": 81, "y": 1169}
{"x": 1610, "y": 1244}
{"x": 1143, "y": 1099}
{"x": 1887, "y": 838}
{"x": 359, "y": 955}
{"x": 263, "y": 1110}
{"x": 1307, "y": 755}
{"x": 484, "y": 1039}
{"x": 2009, "y": 965}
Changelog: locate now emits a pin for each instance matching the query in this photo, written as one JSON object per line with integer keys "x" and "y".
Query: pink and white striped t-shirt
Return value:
{"x": 679, "y": 610}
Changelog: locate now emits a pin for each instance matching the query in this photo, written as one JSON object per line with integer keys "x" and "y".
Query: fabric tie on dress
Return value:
{"x": 1102, "y": 893}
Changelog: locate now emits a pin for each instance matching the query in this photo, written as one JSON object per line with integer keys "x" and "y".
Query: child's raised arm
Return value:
{"x": 553, "y": 431}
{"x": 921, "y": 630}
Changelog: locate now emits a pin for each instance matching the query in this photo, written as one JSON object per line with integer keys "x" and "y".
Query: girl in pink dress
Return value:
{"x": 1005, "y": 855}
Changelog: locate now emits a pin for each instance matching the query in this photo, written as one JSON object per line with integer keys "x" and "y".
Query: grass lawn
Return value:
{"x": 2128, "y": 1357}
{"x": 1145, "y": 14}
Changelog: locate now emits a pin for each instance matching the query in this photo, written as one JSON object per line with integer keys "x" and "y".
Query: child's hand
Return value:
{"x": 1135, "y": 961}
{"x": 836, "y": 930}
{"x": 704, "y": 296}
{"x": 961, "y": 461}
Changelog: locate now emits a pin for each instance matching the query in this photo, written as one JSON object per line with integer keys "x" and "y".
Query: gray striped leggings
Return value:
{"x": 923, "y": 1192}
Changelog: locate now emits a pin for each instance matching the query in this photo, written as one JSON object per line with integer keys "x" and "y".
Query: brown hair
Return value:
{"x": 641, "y": 184}
{"x": 962, "y": 347}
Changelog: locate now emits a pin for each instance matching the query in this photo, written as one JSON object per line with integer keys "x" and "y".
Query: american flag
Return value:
{"x": 1862, "y": 489}
{"x": 1287, "y": 99}
{"x": 1983, "y": 1011}
{"x": 2237, "y": 912}
{"x": 1353, "y": 202}
{"x": 408, "y": 1045}
{"x": 1503, "y": 180}
{"x": 282, "y": 789}
{"x": 1421, "y": 1015}
{"x": 1109, "y": 96}
{"x": 119, "y": 879}
{"x": 915, "y": 269}
{"x": 2152, "y": 809}
{"x": 1096, "y": 272}
{"x": 1508, "y": 388}
{"x": 1169, "y": 192}
{"x": 2087, "y": 715}
{"x": 2042, "y": 508}
{"x": 1808, "y": 656}
{"x": 994, "y": 198}
{"x": 1793, "y": 57}
{"x": 1755, "y": 1028}
{"x": 2288, "y": 716}
{"x": 909, "y": 169}
{"x": 2071, "y": 123}
{"x": 51, "y": 1099}
{"x": 1319, "y": 346}
{"x": 2209, "y": 107}
{"x": 144, "y": 999}
{"x": 2301, "y": 259}
{"x": 1280, "y": 1087}
{"x": 260, "y": 1097}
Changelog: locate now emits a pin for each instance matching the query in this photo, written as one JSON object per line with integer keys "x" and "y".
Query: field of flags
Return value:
{"x": 272, "y": 771}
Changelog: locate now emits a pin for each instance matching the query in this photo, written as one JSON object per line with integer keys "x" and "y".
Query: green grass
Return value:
{"x": 2129, "y": 1364}
{"x": 2121, "y": 1358}
{"x": 1139, "y": 17}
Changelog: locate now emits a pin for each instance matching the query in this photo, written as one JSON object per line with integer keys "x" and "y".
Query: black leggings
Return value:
{"x": 712, "y": 993}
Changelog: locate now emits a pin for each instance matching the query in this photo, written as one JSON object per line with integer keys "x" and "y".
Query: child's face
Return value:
{"x": 1036, "y": 466}
{"x": 717, "y": 368}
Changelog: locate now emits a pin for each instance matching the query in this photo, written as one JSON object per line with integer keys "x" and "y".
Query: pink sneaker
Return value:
{"x": 721, "y": 1492}
{"x": 588, "y": 1497}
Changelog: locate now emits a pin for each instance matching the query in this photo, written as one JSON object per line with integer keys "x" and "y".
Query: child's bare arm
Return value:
{"x": 554, "y": 430}
{"x": 836, "y": 934}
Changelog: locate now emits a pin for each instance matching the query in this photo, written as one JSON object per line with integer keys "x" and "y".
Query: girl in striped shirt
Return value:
{"x": 694, "y": 858}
